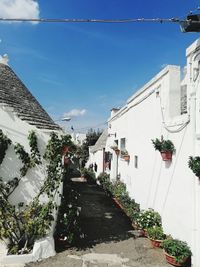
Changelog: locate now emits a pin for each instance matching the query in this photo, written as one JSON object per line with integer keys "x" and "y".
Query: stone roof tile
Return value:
{"x": 15, "y": 94}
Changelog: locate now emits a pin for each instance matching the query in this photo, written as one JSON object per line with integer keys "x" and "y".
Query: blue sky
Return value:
{"x": 86, "y": 69}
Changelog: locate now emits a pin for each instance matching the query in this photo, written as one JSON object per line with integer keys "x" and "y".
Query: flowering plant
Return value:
{"x": 148, "y": 218}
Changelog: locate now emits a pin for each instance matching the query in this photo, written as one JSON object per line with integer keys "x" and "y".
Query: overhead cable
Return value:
{"x": 130, "y": 20}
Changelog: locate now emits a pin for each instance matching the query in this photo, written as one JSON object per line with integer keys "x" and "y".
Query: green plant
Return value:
{"x": 177, "y": 249}
{"x": 103, "y": 176}
{"x": 156, "y": 233}
{"x": 23, "y": 224}
{"x": 194, "y": 165}
{"x": 119, "y": 190}
{"x": 88, "y": 174}
{"x": 35, "y": 154}
{"x": 124, "y": 152}
{"x": 105, "y": 182}
{"x": 25, "y": 158}
{"x": 163, "y": 145}
{"x": 148, "y": 218}
{"x": 4, "y": 143}
{"x": 67, "y": 222}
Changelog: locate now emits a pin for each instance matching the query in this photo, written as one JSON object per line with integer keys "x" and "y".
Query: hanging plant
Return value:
{"x": 166, "y": 148}
{"x": 35, "y": 154}
{"x": 194, "y": 165}
{"x": 25, "y": 158}
{"x": 4, "y": 143}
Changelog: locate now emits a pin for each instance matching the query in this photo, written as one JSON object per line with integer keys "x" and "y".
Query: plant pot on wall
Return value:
{"x": 117, "y": 151}
{"x": 166, "y": 155}
{"x": 126, "y": 157}
{"x": 166, "y": 148}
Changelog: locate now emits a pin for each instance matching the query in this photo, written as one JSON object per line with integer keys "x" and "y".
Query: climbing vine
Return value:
{"x": 4, "y": 143}
{"x": 23, "y": 224}
{"x": 35, "y": 154}
{"x": 25, "y": 158}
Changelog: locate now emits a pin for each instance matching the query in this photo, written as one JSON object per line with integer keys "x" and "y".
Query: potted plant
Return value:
{"x": 166, "y": 148}
{"x": 156, "y": 236}
{"x": 146, "y": 219}
{"x": 194, "y": 165}
{"x": 116, "y": 149}
{"x": 125, "y": 155}
{"x": 176, "y": 251}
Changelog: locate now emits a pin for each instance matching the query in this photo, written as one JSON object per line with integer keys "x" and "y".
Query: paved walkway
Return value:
{"x": 108, "y": 240}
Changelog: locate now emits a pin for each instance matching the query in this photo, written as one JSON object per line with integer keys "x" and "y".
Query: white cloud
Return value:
{"x": 75, "y": 113}
{"x": 25, "y": 9}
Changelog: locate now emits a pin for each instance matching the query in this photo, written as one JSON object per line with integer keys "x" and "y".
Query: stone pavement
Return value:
{"x": 108, "y": 240}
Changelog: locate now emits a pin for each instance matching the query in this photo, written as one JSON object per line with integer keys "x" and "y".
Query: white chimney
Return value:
{"x": 4, "y": 59}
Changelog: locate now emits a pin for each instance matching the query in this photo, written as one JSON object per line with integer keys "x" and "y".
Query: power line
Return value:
{"x": 130, "y": 20}
{"x": 190, "y": 24}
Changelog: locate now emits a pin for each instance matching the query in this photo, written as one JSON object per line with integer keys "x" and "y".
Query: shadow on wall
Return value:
{"x": 31, "y": 183}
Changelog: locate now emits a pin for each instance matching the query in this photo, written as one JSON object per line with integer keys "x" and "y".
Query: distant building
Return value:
{"x": 78, "y": 138}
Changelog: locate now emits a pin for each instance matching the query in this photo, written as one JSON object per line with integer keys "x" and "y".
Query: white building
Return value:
{"x": 97, "y": 155}
{"x": 166, "y": 106}
{"x": 20, "y": 114}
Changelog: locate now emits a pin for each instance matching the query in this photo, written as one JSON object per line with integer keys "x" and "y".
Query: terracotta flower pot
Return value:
{"x": 126, "y": 157}
{"x": 118, "y": 203}
{"x": 65, "y": 150}
{"x": 143, "y": 232}
{"x": 166, "y": 155}
{"x": 156, "y": 243}
{"x": 172, "y": 260}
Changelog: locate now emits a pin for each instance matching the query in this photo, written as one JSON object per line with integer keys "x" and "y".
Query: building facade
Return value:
{"x": 168, "y": 106}
{"x": 21, "y": 113}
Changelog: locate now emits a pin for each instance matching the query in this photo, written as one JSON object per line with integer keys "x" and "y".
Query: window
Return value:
{"x": 136, "y": 162}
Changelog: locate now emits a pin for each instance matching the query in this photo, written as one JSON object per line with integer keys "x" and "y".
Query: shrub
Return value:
{"x": 177, "y": 248}
{"x": 88, "y": 174}
{"x": 156, "y": 233}
{"x": 103, "y": 177}
{"x": 119, "y": 190}
{"x": 148, "y": 218}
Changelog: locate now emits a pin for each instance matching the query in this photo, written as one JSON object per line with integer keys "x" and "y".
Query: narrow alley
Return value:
{"x": 107, "y": 239}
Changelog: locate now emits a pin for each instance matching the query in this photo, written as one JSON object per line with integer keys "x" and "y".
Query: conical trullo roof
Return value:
{"x": 15, "y": 94}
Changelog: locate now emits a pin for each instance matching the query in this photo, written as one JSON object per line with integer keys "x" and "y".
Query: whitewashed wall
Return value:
{"x": 29, "y": 186}
{"x": 169, "y": 188}
{"x": 18, "y": 131}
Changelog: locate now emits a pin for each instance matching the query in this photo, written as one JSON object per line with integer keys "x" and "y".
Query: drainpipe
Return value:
{"x": 103, "y": 159}
{"x": 117, "y": 167}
